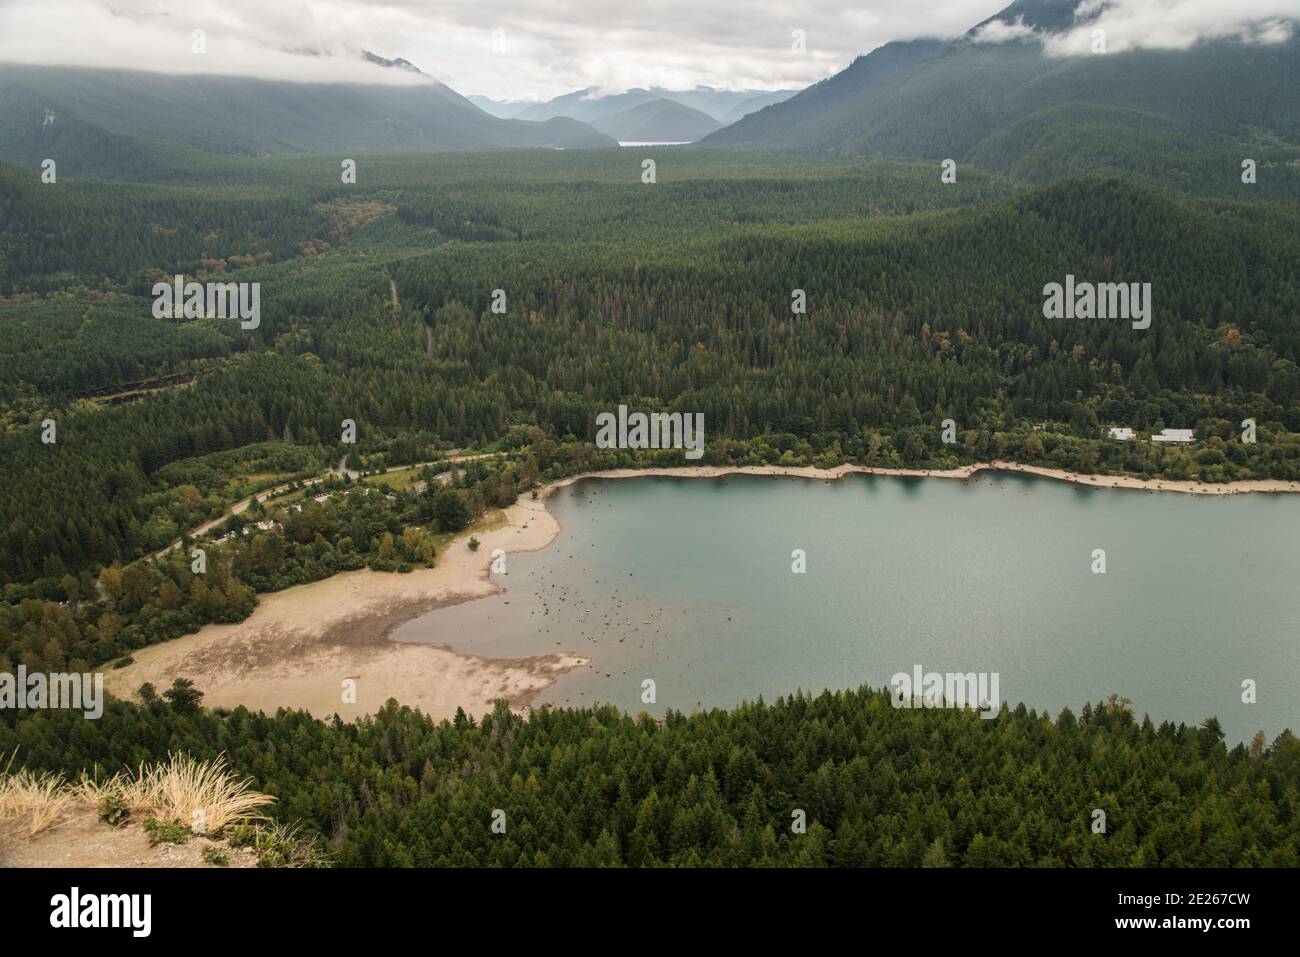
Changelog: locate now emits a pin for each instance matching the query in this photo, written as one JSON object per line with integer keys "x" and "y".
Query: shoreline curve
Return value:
{"x": 301, "y": 646}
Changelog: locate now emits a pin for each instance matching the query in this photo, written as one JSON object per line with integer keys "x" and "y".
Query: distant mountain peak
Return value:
{"x": 658, "y": 120}
{"x": 591, "y": 104}
{"x": 1043, "y": 16}
{"x": 398, "y": 63}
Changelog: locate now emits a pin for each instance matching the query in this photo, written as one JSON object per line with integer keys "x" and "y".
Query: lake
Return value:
{"x": 688, "y": 582}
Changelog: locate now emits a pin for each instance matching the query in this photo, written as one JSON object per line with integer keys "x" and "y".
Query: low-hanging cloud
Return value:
{"x": 522, "y": 49}
{"x": 1155, "y": 25}
{"x": 1000, "y": 31}
{"x": 536, "y": 49}
{"x": 279, "y": 41}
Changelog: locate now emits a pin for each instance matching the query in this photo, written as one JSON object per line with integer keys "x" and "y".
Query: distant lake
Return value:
{"x": 688, "y": 582}
{"x": 653, "y": 142}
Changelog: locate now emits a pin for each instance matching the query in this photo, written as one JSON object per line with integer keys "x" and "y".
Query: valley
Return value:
{"x": 549, "y": 449}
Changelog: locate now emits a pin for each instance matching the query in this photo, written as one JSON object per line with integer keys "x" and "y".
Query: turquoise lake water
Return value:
{"x": 688, "y": 582}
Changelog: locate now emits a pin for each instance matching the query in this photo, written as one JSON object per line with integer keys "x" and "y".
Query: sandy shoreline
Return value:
{"x": 1275, "y": 486}
{"x": 301, "y": 646}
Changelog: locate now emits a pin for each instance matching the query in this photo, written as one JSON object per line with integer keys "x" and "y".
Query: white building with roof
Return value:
{"x": 1175, "y": 435}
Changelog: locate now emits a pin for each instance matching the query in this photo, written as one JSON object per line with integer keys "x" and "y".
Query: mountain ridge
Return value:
{"x": 117, "y": 123}
{"x": 657, "y": 121}
{"x": 972, "y": 100}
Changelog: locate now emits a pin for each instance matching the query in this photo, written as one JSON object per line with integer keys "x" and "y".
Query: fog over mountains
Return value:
{"x": 1016, "y": 94}
{"x": 724, "y": 106}
{"x": 653, "y": 115}
{"x": 108, "y": 122}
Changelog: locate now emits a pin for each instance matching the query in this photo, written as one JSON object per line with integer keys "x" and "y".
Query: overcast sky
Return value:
{"x": 536, "y": 49}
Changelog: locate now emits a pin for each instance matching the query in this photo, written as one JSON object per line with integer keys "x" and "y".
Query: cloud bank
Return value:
{"x": 536, "y": 49}
{"x": 516, "y": 49}
{"x": 1155, "y": 25}
{"x": 280, "y": 40}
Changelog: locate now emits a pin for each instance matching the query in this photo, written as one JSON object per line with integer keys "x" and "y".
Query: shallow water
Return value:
{"x": 688, "y": 582}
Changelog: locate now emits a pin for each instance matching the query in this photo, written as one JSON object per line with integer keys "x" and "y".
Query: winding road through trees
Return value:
{"x": 340, "y": 470}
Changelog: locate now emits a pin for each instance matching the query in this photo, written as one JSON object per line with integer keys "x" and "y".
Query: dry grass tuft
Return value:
{"x": 43, "y": 796}
{"x": 193, "y": 791}
{"x": 202, "y": 795}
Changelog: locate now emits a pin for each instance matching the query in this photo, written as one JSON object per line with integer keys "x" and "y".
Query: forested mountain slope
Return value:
{"x": 868, "y": 77}
{"x": 109, "y": 122}
{"x": 1013, "y": 107}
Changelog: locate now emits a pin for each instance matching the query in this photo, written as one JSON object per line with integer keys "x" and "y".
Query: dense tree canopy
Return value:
{"x": 878, "y": 786}
{"x": 924, "y": 302}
